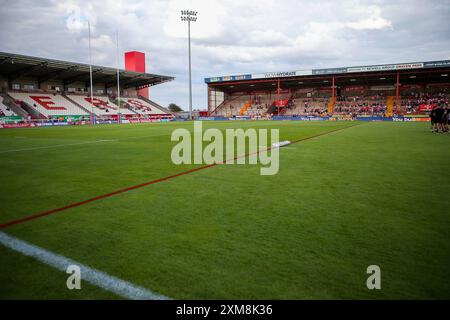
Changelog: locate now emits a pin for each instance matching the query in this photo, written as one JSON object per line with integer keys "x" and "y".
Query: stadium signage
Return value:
{"x": 281, "y": 74}
{"x": 386, "y": 67}
{"x": 216, "y": 118}
{"x": 437, "y": 64}
{"x": 44, "y": 124}
{"x": 17, "y": 125}
{"x": 329, "y": 71}
{"x": 229, "y": 78}
{"x": 301, "y": 118}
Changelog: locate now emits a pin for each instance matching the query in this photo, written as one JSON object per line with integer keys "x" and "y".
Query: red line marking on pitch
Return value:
{"x": 77, "y": 204}
{"x": 107, "y": 195}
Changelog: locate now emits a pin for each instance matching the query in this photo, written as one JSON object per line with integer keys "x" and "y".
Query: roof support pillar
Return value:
{"x": 333, "y": 96}
{"x": 397, "y": 86}
{"x": 278, "y": 97}
{"x": 209, "y": 101}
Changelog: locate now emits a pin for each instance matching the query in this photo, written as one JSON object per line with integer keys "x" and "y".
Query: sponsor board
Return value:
{"x": 10, "y": 119}
{"x": 369, "y": 118}
{"x": 17, "y": 125}
{"x": 421, "y": 119}
{"x": 239, "y": 118}
{"x": 387, "y": 67}
{"x": 71, "y": 118}
{"x": 416, "y": 116}
{"x": 281, "y": 74}
{"x": 43, "y": 124}
{"x": 412, "y": 118}
{"x": 229, "y": 78}
{"x": 300, "y": 118}
{"x": 329, "y": 71}
{"x": 341, "y": 117}
{"x": 50, "y": 124}
{"x": 212, "y": 118}
{"x": 437, "y": 64}
{"x": 147, "y": 120}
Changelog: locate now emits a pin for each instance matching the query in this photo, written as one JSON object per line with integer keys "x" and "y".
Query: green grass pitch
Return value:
{"x": 374, "y": 193}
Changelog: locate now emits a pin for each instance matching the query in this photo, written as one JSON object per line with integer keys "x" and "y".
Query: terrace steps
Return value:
{"x": 245, "y": 107}
{"x": 390, "y": 106}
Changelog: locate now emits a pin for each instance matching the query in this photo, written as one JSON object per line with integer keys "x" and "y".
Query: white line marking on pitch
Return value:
{"x": 98, "y": 278}
{"x": 56, "y": 146}
{"x": 78, "y": 143}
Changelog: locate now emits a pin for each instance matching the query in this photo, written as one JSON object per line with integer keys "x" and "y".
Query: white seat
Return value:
{"x": 102, "y": 105}
{"x": 48, "y": 104}
{"x": 142, "y": 107}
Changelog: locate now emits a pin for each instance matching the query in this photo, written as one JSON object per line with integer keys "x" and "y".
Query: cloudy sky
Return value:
{"x": 230, "y": 36}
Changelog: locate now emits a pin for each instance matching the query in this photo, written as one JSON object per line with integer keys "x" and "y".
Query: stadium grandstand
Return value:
{"x": 375, "y": 91}
{"x": 44, "y": 92}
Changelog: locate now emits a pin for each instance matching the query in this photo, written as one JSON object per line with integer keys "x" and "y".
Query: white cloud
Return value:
{"x": 371, "y": 20}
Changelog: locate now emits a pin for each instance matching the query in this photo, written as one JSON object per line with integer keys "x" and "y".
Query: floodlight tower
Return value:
{"x": 188, "y": 15}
